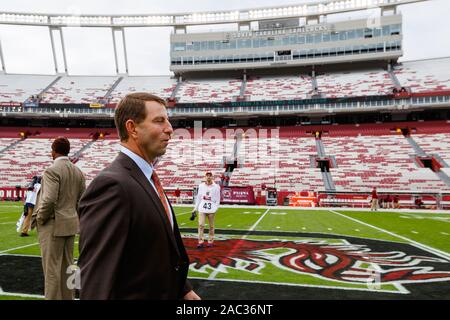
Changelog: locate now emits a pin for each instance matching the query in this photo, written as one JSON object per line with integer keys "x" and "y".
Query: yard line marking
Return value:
{"x": 7, "y": 222}
{"x": 419, "y": 245}
{"x": 23, "y": 295}
{"x": 415, "y": 232}
{"x": 445, "y": 233}
{"x": 257, "y": 222}
{"x": 252, "y": 228}
{"x": 17, "y": 248}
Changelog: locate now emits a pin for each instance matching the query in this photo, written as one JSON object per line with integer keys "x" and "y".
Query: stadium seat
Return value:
{"x": 28, "y": 158}
{"x": 209, "y": 91}
{"x": 162, "y": 86}
{"x": 386, "y": 162}
{"x": 355, "y": 84}
{"x": 19, "y": 87}
{"x": 278, "y": 88}
{"x": 78, "y": 89}
{"x": 438, "y": 143}
{"x": 425, "y": 75}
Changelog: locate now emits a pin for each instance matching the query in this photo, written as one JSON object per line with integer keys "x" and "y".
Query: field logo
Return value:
{"x": 343, "y": 262}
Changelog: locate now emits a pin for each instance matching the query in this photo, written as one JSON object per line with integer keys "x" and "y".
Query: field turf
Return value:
{"x": 330, "y": 251}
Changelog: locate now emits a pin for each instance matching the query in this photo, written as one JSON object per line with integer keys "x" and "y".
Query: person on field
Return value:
{"x": 206, "y": 203}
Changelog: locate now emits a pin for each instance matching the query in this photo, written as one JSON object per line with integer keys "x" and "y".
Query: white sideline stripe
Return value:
{"x": 419, "y": 245}
{"x": 7, "y": 222}
{"x": 23, "y": 295}
{"x": 21, "y": 247}
{"x": 181, "y": 213}
{"x": 213, "y": 274}
{"x": 19, "y": 255}
{"x": 401, "y": 290}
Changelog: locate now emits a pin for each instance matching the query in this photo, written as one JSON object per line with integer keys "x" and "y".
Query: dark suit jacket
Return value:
{"x": 127, "y": 247}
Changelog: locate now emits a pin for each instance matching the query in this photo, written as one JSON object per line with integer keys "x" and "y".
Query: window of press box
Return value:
{"x": 178, "y": 47}
{"x": 395, "y": 29}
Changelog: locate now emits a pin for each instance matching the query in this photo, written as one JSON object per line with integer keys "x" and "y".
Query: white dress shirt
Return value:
{"x": 147, "y": 170}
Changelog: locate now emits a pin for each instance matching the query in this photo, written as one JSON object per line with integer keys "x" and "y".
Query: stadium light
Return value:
{"x": 66, "y": 20}
{"x": 13, "y": 18}
{"x": 131, "y": 21}
{"x": 199, "y": 18}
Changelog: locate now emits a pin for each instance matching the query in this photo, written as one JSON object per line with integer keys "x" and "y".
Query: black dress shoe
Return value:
{"x": 24, "y": 234}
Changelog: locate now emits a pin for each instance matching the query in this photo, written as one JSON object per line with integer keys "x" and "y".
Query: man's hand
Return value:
{"x": 191, "y": 295}
{"x": 194, "y": 214}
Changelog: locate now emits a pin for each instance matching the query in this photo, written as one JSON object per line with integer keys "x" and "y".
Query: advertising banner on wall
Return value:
{"x": 237, "y": 195}
{"x": 12, "y": 194}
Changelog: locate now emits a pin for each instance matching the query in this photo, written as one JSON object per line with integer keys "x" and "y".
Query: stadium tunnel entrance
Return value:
{"x": 324, "y": 164}
{"x": 430, "y": 163}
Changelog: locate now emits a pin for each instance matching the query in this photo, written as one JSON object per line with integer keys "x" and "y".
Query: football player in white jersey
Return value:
{"x": 206, "y": 203}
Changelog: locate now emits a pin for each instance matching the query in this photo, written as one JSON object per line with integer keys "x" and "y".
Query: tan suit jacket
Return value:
{"x": 63, "y": 183}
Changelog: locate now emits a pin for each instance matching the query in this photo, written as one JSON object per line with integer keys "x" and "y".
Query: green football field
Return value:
{"x": 335, "y": 249}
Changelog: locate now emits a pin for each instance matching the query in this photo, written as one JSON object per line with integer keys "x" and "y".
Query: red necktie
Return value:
{"x": 162, "y": 196}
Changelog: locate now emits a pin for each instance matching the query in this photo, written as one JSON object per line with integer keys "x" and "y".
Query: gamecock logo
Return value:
{"x": 342, "y": 262}
{"x": 226, "y": 193}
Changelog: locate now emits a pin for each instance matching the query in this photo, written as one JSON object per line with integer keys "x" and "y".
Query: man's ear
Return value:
{"x": 130, "y": 125}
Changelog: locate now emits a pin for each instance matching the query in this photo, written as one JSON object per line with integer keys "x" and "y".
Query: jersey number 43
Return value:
{"x": 208, "y": 207}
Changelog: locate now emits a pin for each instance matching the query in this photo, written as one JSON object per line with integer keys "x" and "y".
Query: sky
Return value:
{"x": 90, "y": 50}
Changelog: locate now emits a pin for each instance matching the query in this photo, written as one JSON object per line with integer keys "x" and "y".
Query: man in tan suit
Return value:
{"x": 57, "y": 221}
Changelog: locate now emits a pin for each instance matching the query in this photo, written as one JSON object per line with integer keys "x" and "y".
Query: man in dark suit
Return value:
{"x": 130, "y": 245}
